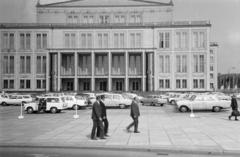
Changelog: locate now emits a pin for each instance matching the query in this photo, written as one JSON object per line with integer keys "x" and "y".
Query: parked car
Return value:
{"x": 91, "y": 98}
{"x": 53, "y": 104}
{"x": 16, "y": 99}
{"x": 203, "y": 102}
{"x": 173, "y": 100}
{"x": 116, "y": 100}
{"x": 75, "y": 102}
{"x": 153, "y": 100}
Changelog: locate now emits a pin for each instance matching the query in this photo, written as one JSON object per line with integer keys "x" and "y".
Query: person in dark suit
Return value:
{"x": 134, "y": 113}
{"x": 234, "y": 105}
{"x": 97, "y": 119}
{"x": 104, "y": 117}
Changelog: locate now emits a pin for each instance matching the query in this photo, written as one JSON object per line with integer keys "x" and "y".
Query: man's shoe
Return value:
{"x": 127, "y": 129}
{"x": 94, "y": 138}
{"x": 229, "y": 117}
{"x": 106, "y": 135}
{"x": 136, "y": 131}
{"x": 236, "y": 119}
{"x": 102, "y": 138}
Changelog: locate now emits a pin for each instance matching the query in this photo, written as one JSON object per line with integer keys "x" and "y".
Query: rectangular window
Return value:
{"x": 135, "y": 40}
{"x": 195, "y": 83}
{"x": 181, "y": 63}
{"x": 8, "y": 41}
{"x": 135, "y": 18}
{"x": 28, "y": 84}
{"x": 119, "y": 19}
{"x": 201, "y": 61}
{"x": 211, "y": 59}
{"x": 70, "y": 40}
{"x": 199, "y": 39}
{"x": 41, "y": 65}
{"x": 164, "y": 40}
{"x": 103, "y": 19}
{"x": 8, "y": 64}
{"x": 184, "y": 83}
{"x": 41, "y": 84}
{"x": 161, "y": 63}
{"x": 25, "y": 41}
{"x": 211, "y": 76}
{"x": 103, "y": 40}
{"x": 167, "y": 83}
{"x": 178, "y": 83}
{"x": 195, "y": 63}
{"x": 25, "y": 84}
{"x": 167, "y": 64}
{"x": 25, "y": 64}
{"x": 211, "y": 68}
{"x": 184, "y": 63}
{"x": 178, "y": 63}
{"x": 161, "y": 83}
{"x": 181, "y": 40}
{"x": 201, "y": 83}
{"x": 8, "y": 84}
{"x": 41, "y": 40}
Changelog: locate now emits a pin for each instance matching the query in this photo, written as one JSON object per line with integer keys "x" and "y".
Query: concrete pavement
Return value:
{"x": 162, "y": 128}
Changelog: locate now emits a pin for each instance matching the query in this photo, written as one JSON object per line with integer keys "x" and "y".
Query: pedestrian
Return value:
{"x": 235, "y": 113}
{"x": 104, "y": 117}
{"x": 134, "y": 113}
{"x": 97, "y": 119}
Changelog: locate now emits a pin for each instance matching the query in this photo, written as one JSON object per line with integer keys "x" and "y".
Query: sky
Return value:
{"x": 224, "y": 16}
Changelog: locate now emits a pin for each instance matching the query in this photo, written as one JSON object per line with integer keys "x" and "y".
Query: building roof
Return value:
{"x": 173, "y": 24}
{"x": 105, "y": 3}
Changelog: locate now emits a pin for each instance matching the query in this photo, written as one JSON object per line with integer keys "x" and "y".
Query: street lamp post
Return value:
{"x": 192, "y": 114}
{"x": 21, "y": 113}
{"x": 76, "y": 116}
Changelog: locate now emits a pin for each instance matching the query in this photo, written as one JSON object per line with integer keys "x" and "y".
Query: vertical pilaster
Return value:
{"x": 207, "y": 68}
{"x": 190, "y": 62}
{"x": 47, "y": 70}
{"x": 143, "y": 71}
{"x": 75, "y": 71}
{"x": 155, "y": 87}
{"x": 58, "y": 71}
{"x": 109, "y": 72}
{"x": 173, "y": 62}
{"x": 126, "y": 71}
{"x": 93, "y": 71}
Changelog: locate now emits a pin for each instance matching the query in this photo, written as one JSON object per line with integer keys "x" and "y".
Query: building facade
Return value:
{"x": 93, "y": 45}
{"x": 229, "y": 81}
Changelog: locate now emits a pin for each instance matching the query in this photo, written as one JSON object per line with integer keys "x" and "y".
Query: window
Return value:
{"x": 211, "y": 76}
{"x": 118, "y": 40}
{"x": 164, "y": 40}
{"x": 119, "y": 19}
{"x": 103, "y": 19}
{"x": 135, "y": 40}
{"x": 119, "y": 85}
{"x": 72, "y": 18}
{"x": 8, "y": 64}
{"x": 181, "y": 40}
{"x": 212, "y": 85}
{"x": 41, "y": 40}
{"x": 181, "y": 63}
{"x": 25, "y": 64}
{"x": 201, "y": 83}
{"x": 135, "y": 85}
{"x": 195, "y": 83}
{"x": 199, "y": 39}
{"x": 86, "y": 85}
{"x": 178, "y": 83}
{"x": 161, "y": 84}
{"x": 166, "y": 85}
{"x": 87, "y": 19}
{"x": 25, "y": 41}
{"x": 184, "y": 83}
{"x": 199, "y": 61}
{"x": 164, "y": 62}
{"x": 86, "y": 40}
{"x": 41, "y": 84}
{"x": 211, "y": 68}
{"x": 211, "y": 59}
{"x": 41, "y": 65}
{"x": 70, "y": 40}
{"x": 102, "y": 40}
{"x": 25, "y": 84}
{"x": 135, "y": 18}
{"x": 8, "y": 84}
{"x": 8, "y": 41}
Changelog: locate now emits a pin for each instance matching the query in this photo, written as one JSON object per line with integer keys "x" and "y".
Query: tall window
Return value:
{"x": 164, "y": 40}
{"x": 25, "y": 41}
{"x": 8, "y": 84}
{"x": 88, "y": 19}
{"x": 135, "y": 40}
{"x": 199, "y": 39}
{"x": 178, "y": 83}
{"x": 25, "y": 64}
{"x": 41, "y": 84}
{"x": 118, "y": 40}
{"x": 41, "y": 65}
{"x": 135, "y": 64}
{"x": 86, "y": 40}
{"x": 70, "y": 40}
{"x": 211, "y": 59}
{"x": 72, "y": 18}
{"x": 198, "y": 83}
{"x": 164, "y": 83}
{"x": 198, "y": 63}
{"x": 41, "y": 40}
{"x": 201, "y": 83}
{"x": 164, "y": 61}
{"x": 102, "y": 39}
{"x": 195, "y": 83}
{"x": 184, "y": 83}
{"x": 8, "y": 64}
{"x": 181, "y": 63}
{"x": 8, "y": 41}
{"x": 25, "y": 84}
{"x": 135, "y": 18}
{"x": 181, "y": 40}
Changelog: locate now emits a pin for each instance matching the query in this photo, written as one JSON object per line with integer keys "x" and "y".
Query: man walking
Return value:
{"x": 134, "y": 113}
{"x": 97, "y": 119}
{"x": 234, "y": 105}
{"x": 104, "y": 117}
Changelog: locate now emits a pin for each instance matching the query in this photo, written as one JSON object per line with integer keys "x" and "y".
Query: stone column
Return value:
{"x": 126, "y": 71}
{"x": 143, "y": 71}
{"x": 150, "y": 71}
{"x": 54, "y": 71}
{"x": 75, "y": 71}
{"x": 109, "y": 72}
{"x": 93, "y": 72}
{"x": 47, "y": 70}
{"x": 59, "y": 57}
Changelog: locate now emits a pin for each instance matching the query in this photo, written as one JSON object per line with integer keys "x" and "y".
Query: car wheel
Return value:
{"x": 4, "y": 104}
{"x": 76, "y": 107}
{"x": 161, "y": 105}
{"x": 29, "y": 110}
{"x": 53, "y": 110}
{"x": 122, "y": 106}
{"x": 216, "y": 109}
{"x": 183, "y": 109}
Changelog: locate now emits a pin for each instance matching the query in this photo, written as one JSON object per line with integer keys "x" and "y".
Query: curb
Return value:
{"x": 159, "y": 150}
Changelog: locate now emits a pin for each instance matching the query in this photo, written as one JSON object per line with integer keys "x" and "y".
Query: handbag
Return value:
{"x": 235, "y": 113}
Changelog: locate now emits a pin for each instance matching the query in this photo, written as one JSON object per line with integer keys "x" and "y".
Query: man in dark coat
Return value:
{"x": 134, "y": 113}
{"x": 97, "y": 119}
{"x": 234, "y": 105}
{"x": 104, "y": 117}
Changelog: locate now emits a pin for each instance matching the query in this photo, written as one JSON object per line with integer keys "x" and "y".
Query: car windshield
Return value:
{"x": 192, "y": 97}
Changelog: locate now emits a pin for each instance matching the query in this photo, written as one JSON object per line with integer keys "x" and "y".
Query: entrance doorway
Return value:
{"x": 67, "y": 84}
{"x": 101, "y": 84}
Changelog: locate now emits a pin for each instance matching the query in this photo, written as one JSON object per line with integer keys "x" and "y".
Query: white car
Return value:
{"x": 75, "y": 102}
{"x": 16, "y": 99}
{"x": 203, "y": 102}
{"x": 116, "y": 100}
{"x": 91, "y": 98}
{"x": 53, "y": 104}
{"x": 154, "y": 100}
{"x": 173, "y": 100}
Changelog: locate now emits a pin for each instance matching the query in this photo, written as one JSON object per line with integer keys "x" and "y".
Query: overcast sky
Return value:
{"x": 223, "y": 14}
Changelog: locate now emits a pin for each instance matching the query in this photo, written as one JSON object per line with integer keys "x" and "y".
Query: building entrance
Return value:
{"x": 67, "y": 84}
{"x": 101, "y": 84}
